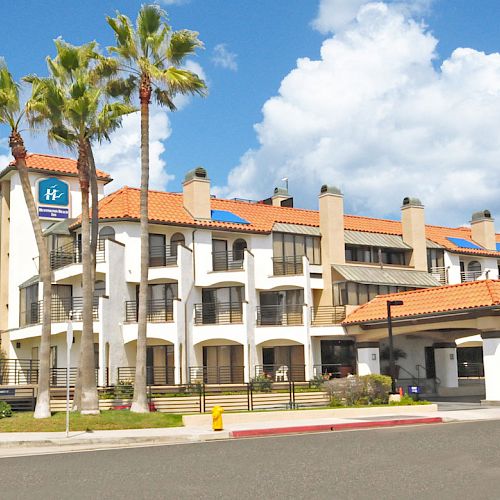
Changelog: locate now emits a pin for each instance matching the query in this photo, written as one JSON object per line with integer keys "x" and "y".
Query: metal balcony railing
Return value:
{"x": 25, "y": 372}
{"x": 227, "y": 261}
{"x": 218, "y": 313}
{"x": 281, "y": 315}
{"x": 467, "y": 276}
{"x": 230, "y": 374}
{"x": 282, "y": 373}
{"x": 327, "y": 315}
{"x": 441, "y": 274}
{"x": 283, "y": 266}
{"x": 162, "y": 255}
{"x": 468, "y": 369}
{"x": 62, "y": 309}
{"x": 158, "y": 311}
{"x": 155, "y": 375}
{"x": 71, "y": 253}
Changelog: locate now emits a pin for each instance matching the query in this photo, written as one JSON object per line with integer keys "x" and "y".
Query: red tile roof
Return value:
{"x": 168, "y": 208}
{"x": 429, "y": 301}
{"x": 56, "y": 164}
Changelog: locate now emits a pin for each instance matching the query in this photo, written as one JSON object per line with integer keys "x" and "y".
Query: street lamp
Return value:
{"x": 392, "y": 366}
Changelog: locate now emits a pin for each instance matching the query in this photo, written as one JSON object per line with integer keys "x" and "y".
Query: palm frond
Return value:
{"x": 9, "y": 97}
{"x": 182, "y": 43}
{"x": 181, "y": 81}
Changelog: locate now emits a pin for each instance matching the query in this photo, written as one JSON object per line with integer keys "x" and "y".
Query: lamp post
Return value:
{"x": 392, "y": 365}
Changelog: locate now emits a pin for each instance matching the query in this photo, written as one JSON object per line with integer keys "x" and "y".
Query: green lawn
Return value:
{"x": 107, "y": 420}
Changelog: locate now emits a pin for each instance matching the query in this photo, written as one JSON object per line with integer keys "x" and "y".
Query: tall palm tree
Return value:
{"x": 151, "y": 54}
{"x": 74, "y": 106}
{"x": 11, "y": 113}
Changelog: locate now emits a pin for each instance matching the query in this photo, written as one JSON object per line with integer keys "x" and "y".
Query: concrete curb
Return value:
{"x": 299, "y": 429}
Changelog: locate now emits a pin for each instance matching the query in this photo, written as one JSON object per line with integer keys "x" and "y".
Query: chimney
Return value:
{"x": 331, "y": 225}
{"x": 196, "y": 193}
{"x": 483, "y": 229}
{"x": 413, "y": 222}
{"x": 281, "y": 198}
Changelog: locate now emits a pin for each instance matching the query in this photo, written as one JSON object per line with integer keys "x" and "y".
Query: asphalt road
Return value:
{"x": 444, "y": 461}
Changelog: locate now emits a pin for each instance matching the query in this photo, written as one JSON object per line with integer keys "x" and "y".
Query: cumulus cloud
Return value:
{"x": 375, "y": 117}
{"x": 173, "y": 2}
{"x": 224, "y": 58}
{"x": 122, "y": 158}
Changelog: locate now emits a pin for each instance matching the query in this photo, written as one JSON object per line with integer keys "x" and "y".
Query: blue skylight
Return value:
{"x": 462, "y": 243}
{"x": 498, "y": 247}
{"x": 225, "y": 216}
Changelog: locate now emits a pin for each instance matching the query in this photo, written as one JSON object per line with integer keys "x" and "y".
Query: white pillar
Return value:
{"x": 368, "y": 358}
{"x": 491, "y": 360}
{"x": 177, "y": 363}
{"x": 445, "y": 355}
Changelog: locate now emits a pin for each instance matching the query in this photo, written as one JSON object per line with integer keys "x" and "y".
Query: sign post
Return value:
{"x": 69, "y": 343}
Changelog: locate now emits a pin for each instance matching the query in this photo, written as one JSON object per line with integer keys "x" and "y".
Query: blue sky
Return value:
{"x": 266, "y": 37}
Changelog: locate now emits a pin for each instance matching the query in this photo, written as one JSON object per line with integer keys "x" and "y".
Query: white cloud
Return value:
{"x": 376, "y": 118}
{"x": 223, "y": 57}
{"x": 174, "y": 2}
{"x": 5, "y": 156}
{"x": 181, "y": 101}
{"x": 121, "y": 156}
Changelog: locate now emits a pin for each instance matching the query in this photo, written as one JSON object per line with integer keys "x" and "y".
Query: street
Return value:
{"x": 435, "y": 461}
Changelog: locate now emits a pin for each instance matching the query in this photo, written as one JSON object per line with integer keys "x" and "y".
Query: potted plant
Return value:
{"x": 397, "y": 354}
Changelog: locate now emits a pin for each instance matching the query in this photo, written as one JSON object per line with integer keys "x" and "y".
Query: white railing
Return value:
{"x": 441, "y": 274}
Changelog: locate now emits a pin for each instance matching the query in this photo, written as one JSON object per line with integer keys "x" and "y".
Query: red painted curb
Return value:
{"x": 334, "y": 427}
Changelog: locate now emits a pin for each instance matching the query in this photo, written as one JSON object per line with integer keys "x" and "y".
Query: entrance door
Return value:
{"x": 219, "y": 255}
{"x": 209, "y": 300}
{"x": 430, "y": 363}
{"x": 159, "y": 364}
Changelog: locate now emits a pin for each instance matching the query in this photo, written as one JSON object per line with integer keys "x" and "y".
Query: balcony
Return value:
{"x": 467, "y": 276}
{"x": 282, "y": 373}
{"x": 162, "y": 255}
{"x": 285, "y": 266}
{"x": 72, "y": 254}
{"x": 230, "y": 374}
{"x": 155, "y": 375}
{"x": 158, "y": 311}
{"x": 25, "y": 372}
{"x": 62, "y": 309}
{"x": 440, "y": 273}
{"x": 227, "y": 261}
{"x": 327, "y": 315}
{"x": 218, "y": 313}
{"x": 280, "y": 315}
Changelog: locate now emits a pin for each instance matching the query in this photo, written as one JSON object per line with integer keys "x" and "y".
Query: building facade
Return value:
{"x": 237, "y": 289}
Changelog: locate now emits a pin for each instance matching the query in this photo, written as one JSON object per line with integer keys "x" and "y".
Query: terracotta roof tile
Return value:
{"x": 430, "y": 300}
{"x": 56, "y": 164}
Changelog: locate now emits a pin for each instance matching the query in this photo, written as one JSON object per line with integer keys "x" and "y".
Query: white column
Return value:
{"x": 177, "y": 363}
{"x": 491, "y": 360}
{"x": 368, "y": 358}
{"x": 445, "y": 356}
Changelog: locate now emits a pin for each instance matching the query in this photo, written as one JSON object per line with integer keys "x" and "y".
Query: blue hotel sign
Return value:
{"x": 53, "y": 199}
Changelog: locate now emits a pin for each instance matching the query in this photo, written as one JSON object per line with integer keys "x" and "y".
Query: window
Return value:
{"x": 28, "y": 305}
{"x": 435, "y": 258}
{"x": 239, "y": 249}
{"x": 176, "y": 240}
{"x": 157, "y": 255}
{"x": 374, "y": 255}
{"x": 107, "y": 233}
{"x": 474, "y": 266}
{"x": 283, "y": 307}
{"x": 100, "y": 288}
{"x": 349, "y": 293}
{"x": 293, "y": 246}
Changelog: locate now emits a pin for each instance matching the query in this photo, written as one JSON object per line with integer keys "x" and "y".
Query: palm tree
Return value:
{"x": 73, "y": 104}
{"x": 12, "y": 114}
{"x": 151, "y": 54}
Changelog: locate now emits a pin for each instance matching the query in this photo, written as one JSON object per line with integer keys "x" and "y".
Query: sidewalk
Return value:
{"x": 54, "y": 441}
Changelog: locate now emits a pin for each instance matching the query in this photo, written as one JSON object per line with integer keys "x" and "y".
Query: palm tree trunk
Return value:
{"x": 140, "y": 402}
{"x": 89, "y": 401}
{"x": 42, "y": 409}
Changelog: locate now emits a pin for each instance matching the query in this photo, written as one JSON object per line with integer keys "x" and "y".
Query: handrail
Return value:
{"x": 158, "y": 311}
{"x": 327, "y": 315}
{"x": 283, "y": 266}
{"x": 218, "y": 313}
{"x": 280, "y": 315}
{"x": 227, "y": 260}
{"x": 162, "y": 255}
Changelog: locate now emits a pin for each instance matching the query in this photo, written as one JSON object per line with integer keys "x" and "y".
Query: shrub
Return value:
{"x": 365, "y": 390}
{"x": 124, "y": 389}
{"x": 5, "y": 410}
{"x": 262, "y": 383}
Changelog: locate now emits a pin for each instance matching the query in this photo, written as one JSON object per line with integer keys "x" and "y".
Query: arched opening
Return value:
{"x": 176, "y": 240}
{"x": 239, "y": 249}
{"x": 107, "y": 233}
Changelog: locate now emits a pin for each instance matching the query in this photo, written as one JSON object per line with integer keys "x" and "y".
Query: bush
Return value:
{"x": 365, "y": 390}
{"x": 5, "y": 410}
{"x": 124, "y": 389}
{"x": 262, "y": 383}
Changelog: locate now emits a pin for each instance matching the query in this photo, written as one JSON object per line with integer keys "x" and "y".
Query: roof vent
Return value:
{"x": 330, "y": 189}
{"x": 411, "y": 201}
{"x": 483, "y": 214}
{"x": 197, "y": 173}
{"x": 281, "y": 190}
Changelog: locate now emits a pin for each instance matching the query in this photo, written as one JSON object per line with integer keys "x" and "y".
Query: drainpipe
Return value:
{"x": 186, "y": 347}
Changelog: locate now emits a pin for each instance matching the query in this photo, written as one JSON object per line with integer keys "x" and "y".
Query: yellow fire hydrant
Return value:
{"x": 217, "y": 412}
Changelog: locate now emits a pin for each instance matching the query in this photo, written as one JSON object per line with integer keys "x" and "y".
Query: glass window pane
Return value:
{"x": 352, "y": 293}
{"x": 363, "y": 293}
{"x": 289, "y": 245}
{"x": 277, "y": 244}
{"x": 310, "y": 249}
{"x": 299, "y": 245}
{"x": 317, "y": 250}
